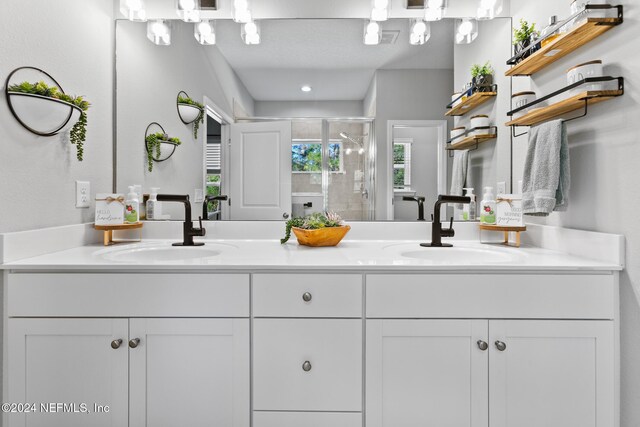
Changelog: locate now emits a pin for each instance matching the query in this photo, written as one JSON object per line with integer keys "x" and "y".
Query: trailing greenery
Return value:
{"x": 78, "y": 132}
{"x": 525, "y": 33}
{"x": 154, "y": 142}
{"x": 478, "y": 70}
{"x": 313, "y": 222}
{"x": 200, "y": 119}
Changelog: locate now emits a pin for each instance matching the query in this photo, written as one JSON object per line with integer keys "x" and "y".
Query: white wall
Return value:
{"x": 405, "y": 95}
{"x": 308, "y": 108}
{"x": 491, "y": 162}
{"x": 604, "y": 151}
{"x": 149, "y": 78}
{"x": 73, "y": 41}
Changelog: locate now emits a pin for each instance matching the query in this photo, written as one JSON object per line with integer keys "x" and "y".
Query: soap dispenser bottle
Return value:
{"x": 153, "y": 206}
{"x": 469, "y": 209}
{"x": 132, "y": 207}
{"x": 488, "y": 207}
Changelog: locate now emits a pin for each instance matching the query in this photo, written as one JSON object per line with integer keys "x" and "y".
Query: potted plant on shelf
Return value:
{"x": 55, "y": 115}
{"x": 317, "y": 229}
{"x": 154, "y": 143}
{"x": 482, "y": 76}
{"x": 191, "y": 111}
{"x": 523, "y": 37}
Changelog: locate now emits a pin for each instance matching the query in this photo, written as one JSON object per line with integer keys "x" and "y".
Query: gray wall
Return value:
{"x": 490, "y": 163}
{"x": 149, "y": 78}
{"x": 308, "y": 109}
{"x": 405, "y": 95}
{"x": 424, "y": 171}
{"x": 38, "y": 174}
{"x": 604, "y": 150}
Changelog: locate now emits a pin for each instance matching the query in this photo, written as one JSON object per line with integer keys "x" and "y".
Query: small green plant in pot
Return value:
{"x": 185, "y": 100}
{"x": 78, "y": 133}
{"x": 482, "y": 76}
{"x": 317, "y": 229}
{"x": 154, "y": 142}
{"x": 523, "y": 37}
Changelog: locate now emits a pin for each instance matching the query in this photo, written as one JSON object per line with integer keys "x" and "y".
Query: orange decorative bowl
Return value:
{"x": 328, "y": 236}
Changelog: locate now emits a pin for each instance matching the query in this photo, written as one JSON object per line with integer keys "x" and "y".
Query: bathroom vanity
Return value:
{"x": 373, "y": 333}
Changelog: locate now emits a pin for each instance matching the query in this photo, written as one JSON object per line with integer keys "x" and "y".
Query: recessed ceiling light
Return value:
{"x": 306, "y": 88}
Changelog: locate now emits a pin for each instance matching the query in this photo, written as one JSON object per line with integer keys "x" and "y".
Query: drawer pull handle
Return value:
{"x": 482, "y": 345}
{"x": 306, "y": 366}
{"x": 501, "y": 346}
{"x": 307, "y": 297}
{"x": 134, "y": 342}
{"x": 115, "y": 344}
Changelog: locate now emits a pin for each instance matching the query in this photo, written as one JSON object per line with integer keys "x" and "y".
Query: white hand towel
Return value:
{"x": 546, "y": 181}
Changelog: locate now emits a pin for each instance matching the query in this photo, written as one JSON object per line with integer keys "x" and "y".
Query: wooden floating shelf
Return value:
{"x": 470, "y": 103}
{"x": 563, "y": 45}
{"x": 553, "y": 111}
{"x": 471, "y": 141}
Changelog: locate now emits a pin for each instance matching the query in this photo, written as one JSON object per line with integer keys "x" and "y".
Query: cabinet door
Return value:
{"x": 552, "y": 373}
{"x": 307, "y": 365}
{"x": 71, "y": 362}
{"x": 189, "y": 372}
{"x": 427, "y": 373}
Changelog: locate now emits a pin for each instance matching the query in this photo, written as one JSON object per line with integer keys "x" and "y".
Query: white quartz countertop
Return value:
{"x": 354, "y": 255}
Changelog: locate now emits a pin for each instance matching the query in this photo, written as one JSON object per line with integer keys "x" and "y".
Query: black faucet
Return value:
{"x": 437, "y": 232}
{"x": 420, "y": 201}
{"x": 210, "y": 198}
{"x": 188, "y": 231}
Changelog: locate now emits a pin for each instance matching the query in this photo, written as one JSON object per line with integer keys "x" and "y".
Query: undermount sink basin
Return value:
{"x": 456, "y": 255}
{"x": 164, "y": 253}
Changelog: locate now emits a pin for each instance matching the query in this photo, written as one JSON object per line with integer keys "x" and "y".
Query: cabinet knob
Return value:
{"x": 134, "y": 342}
{"x": 306, "y": 296}
{"x": 306, "y": 366}
{"x": 501, "y": 346}
{"x": 115, "y": 344}
{"x": 482, "y": 345}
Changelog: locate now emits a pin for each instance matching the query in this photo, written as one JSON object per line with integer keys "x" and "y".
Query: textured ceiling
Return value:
{"x": 327, "y": 54}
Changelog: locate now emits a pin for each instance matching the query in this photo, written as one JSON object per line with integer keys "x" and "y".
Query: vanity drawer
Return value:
{"x": 307, "y": 419}
{"x": 498, "y": 296}
{"x": 128, "y": 295}
{"x": 307, "y": 295}
{"x": 330, "y": 381}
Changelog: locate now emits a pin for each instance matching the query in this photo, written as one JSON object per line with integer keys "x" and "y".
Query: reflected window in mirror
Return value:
{"x": 214, "y": 167}
{"x": 306, "y": 156}
{"x": 402, "y": 164}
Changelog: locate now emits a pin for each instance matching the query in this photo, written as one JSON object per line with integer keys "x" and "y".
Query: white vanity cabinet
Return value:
{"x": 307, "y": 350}
{"x": 149, "y": 371}
{"x": 424, "y": 368}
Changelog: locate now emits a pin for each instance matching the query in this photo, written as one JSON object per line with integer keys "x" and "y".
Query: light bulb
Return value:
{"x": 306, "y": 88}
{"x": 187, "y": 4}
{"x": 205, "y": 28}
{"x": 419, "y": 27}
{"x": 361, "y": 151}
{"x": 347, "y": 151}
{"x": 133, "y": 10}
{"x": 159, "y": 32}
{"x": 465, "y": 28}
{"x": 373, "y": 28}
{"x": 205, "y": 33}
{"x": 251, "y": 28}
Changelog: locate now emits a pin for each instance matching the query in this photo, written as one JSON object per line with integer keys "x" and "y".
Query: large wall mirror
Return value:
{"x": 310, "y": 119}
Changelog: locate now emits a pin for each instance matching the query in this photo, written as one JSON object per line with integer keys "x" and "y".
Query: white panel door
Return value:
{"x": 552, "y": 373}
{"x": 307, "y": 365}
{"x": 427, "y": 373}
{"x": 260, "y": 171}
{"x": 190, "y": 372}
{"x": 72, "y": 362}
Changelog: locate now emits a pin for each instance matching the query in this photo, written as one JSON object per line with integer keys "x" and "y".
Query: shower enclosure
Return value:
{"x": 333, "y": 167}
